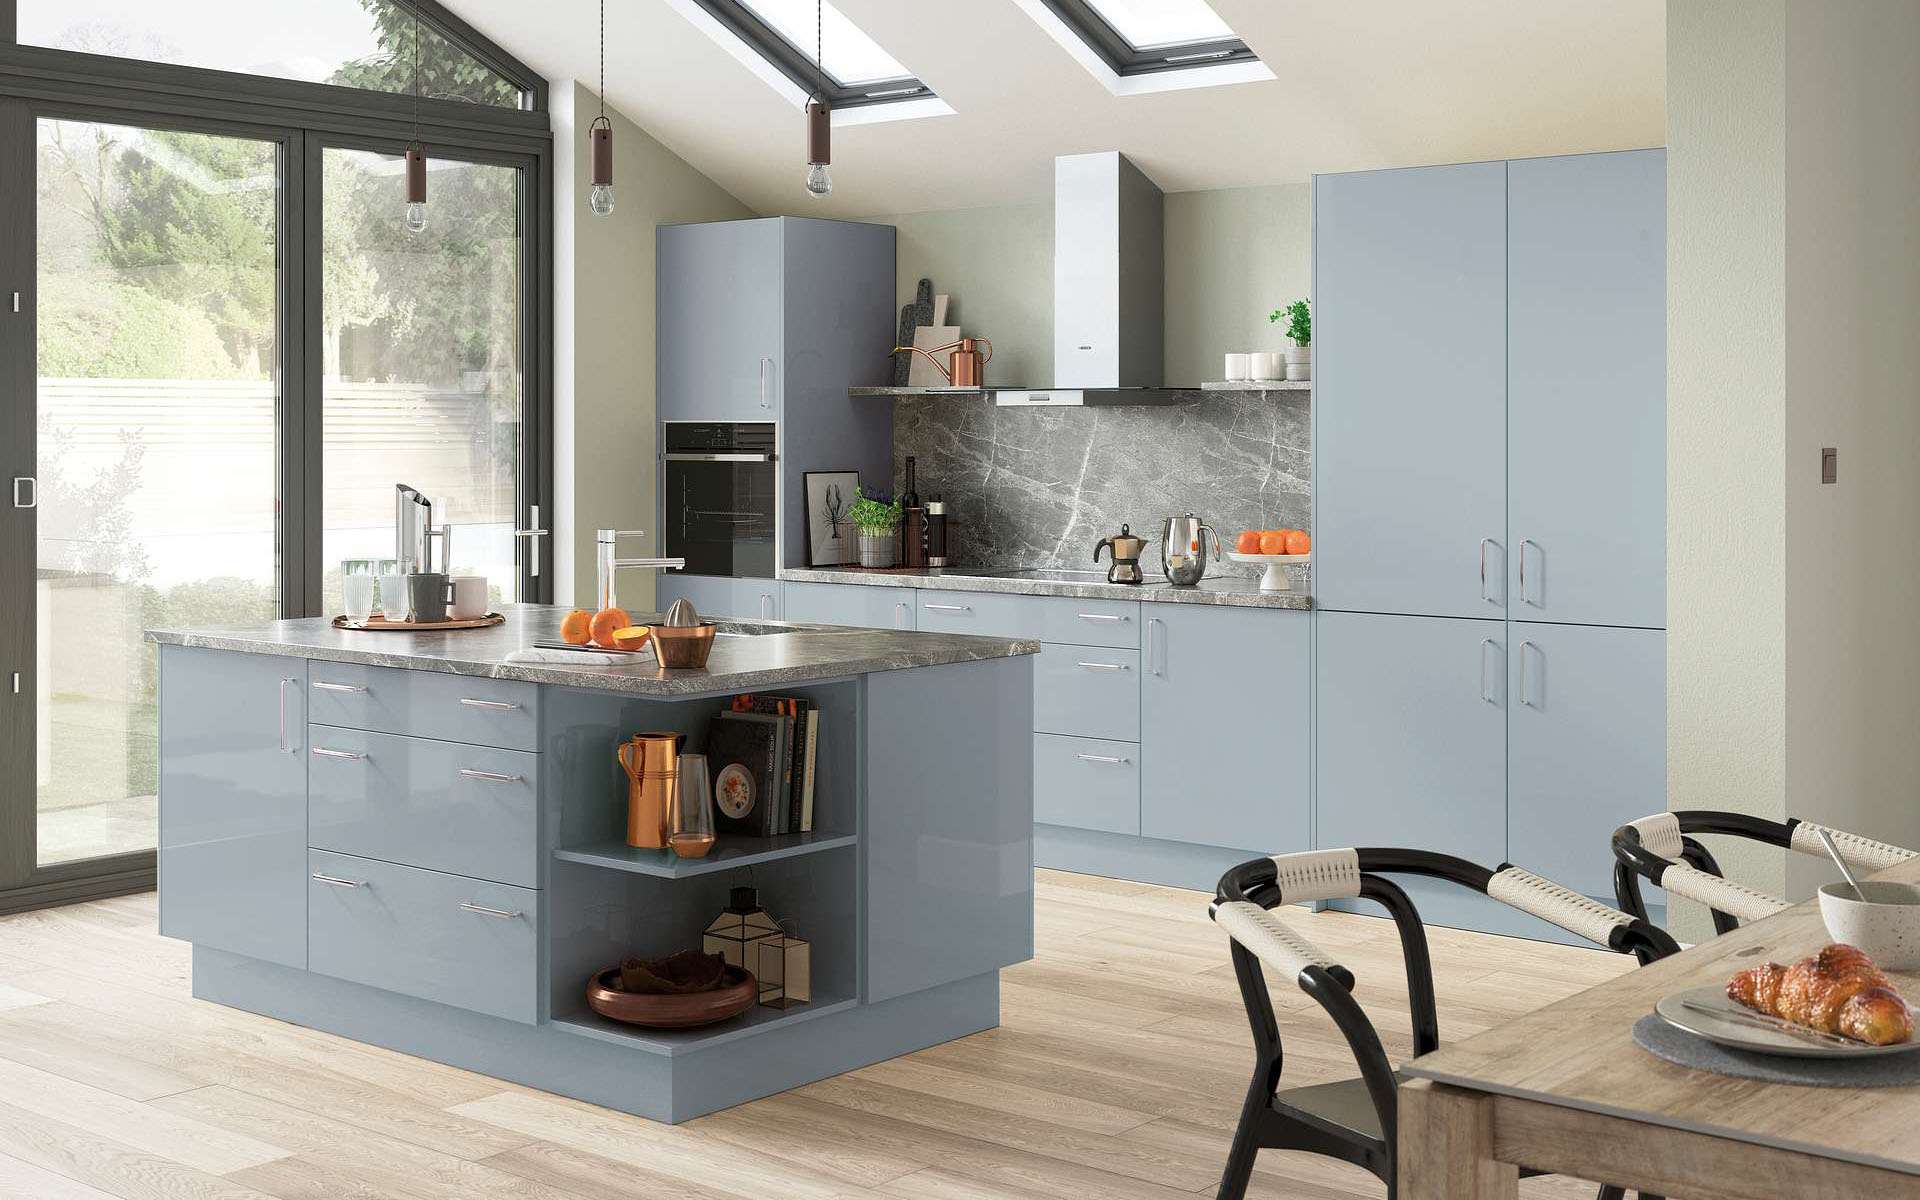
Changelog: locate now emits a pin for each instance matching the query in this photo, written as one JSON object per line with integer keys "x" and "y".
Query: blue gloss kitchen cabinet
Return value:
{"x": 233, "y": 802}
{"x": 720, "y": 325}
{"x": 1587, "y": 379}
{"x": 1224, "y": 727}
{"x": 847, "y": 604}
{"x": 1410, "y": 412}
{"x": 720, "y": 596}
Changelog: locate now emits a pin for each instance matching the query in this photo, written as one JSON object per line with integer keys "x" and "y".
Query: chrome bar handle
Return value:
{"x": 1099, "y": 617}
{"x": 489, "y": 776}
{"x": 1486, "y": 694}
{"x": 537, "y": 531}
{"x": 1154, "y": 663}
{"x": 1109, "y": 759}
{"x": 765, "y": 362}
{"x": 324, "y": 752}
{"x": 948, "y": 607}
{"x": 26, "y": 490}
{"x": 1100, "y": 666}
{"x": 489, "y": 705}
{"x": 766, "y": 607}
{"x": 1525, "y": 697}
{"x": 286, "y": 747}
{"x": 336, "y": 881}
{"x": 498, "y": 914}
{"x": 900, "y": 612}
{"x": 1484, "y": 543}
{"x": 321, "y": 685}
{"x": 1524, "y": 542}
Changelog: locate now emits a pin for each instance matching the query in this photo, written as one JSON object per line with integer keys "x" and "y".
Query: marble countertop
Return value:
{"x": 763, "y": 654}
{"x": 1235, "y": 590}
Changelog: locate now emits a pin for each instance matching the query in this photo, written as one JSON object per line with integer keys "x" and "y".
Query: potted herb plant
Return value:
{"x": 879, "y": 524}
{"x": 1299, "y": 319}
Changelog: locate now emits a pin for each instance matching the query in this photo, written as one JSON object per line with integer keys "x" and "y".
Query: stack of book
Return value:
{"x": 762, "y": 755}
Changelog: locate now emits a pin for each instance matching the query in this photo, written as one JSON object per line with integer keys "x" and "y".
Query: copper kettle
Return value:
{"x": 652, "y": 764}
{"x": 967, "y": 367}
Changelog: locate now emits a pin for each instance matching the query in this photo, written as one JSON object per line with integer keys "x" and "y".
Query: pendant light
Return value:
{"x": 819, "y": 114}
{"x": 600, "y": 136}
{"x": 416, "y": 158}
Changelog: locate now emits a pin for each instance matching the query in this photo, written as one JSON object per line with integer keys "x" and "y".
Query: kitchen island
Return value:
{"x": 415, "y": 841}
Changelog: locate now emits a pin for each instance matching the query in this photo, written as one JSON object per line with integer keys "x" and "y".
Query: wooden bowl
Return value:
{"x": 683, "y": 645}
{"x": 737, "y": 991}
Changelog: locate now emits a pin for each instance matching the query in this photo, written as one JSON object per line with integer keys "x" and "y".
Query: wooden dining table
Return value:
{"x": 1565, "y": 1089}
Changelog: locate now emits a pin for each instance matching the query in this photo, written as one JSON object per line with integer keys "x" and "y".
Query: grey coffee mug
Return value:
{"x": 427, "y": 597}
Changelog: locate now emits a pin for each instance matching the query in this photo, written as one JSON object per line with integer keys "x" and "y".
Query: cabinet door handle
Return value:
{"x": 489, "y": 776}
{"x": 1526, "y": 697}
{"x": 1099, "y": 617}
{"x": 324, "y": 752}
{"x": 321, "y": 685}
{"x": 1524, "y": 598}
{"x": 489, "y": 705}
{"x": 1486, "y": 692}
{"x": 498, "y": 914}
{"x": 336, "y": 881}
{"x": 286, "y": 746}
{"x": 1109, "y": 759}
{"x": 1484, "y": 543}
{"x": 765, "y": 362}
{"x": 900, "y": 611}
{"x": 1100, "y": 666}
{"x": 766, "y": 607}
{"x": 1154, "y": 655}
{"x": 948, "y": 607}
{"x": 26, "y": 488}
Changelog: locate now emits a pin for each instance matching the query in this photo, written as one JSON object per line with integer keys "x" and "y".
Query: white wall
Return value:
{"x": 604, "y": 410}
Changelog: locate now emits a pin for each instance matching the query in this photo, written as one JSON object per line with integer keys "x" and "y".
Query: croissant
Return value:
{"x": 1839, "y": 990}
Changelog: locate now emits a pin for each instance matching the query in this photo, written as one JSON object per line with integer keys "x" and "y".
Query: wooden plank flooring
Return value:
{"x": 1117, "y": 1074}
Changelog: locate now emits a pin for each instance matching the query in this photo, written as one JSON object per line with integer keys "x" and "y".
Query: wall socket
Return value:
{"x": 1829, "y": 465}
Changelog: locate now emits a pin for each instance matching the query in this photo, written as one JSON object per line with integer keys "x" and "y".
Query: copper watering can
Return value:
{"x": 652, "y": 764}
{"x": 967, "y": 367}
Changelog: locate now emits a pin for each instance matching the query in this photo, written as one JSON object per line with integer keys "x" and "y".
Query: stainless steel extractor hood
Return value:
{"x": 1108, "y": 287}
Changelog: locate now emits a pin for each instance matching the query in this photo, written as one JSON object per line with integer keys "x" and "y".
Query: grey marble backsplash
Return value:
{"x": 1038, "y": 487}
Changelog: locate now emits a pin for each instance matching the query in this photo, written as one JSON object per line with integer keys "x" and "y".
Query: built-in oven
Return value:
{"x": 722, "y": 492}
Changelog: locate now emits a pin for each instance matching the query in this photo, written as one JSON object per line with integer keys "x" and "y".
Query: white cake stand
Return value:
{"x": 1275, "y": 580}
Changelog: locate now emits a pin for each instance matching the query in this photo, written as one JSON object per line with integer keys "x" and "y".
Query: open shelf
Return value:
{"x": 1256, "y": 385}
{"x": 730, "y": 852}
{"x": 915, "y": 391}
{"x": 758, "y": 1019}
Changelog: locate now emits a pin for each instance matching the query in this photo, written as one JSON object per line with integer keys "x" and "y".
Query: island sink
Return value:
{"x": 408, "y": 840}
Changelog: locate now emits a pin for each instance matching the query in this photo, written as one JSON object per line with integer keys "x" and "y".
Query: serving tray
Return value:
{"x": 379, "y": 622}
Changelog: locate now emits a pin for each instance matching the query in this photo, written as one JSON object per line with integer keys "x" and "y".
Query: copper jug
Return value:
{"x": 652, "y": 763}
{"x": 966, "y": 368}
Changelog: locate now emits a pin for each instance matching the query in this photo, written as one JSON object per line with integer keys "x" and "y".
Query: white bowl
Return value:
{"x": 1886, "y": 925}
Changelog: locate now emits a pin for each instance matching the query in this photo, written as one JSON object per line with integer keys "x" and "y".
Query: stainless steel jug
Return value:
{"x": 413, "y": 532}
{"x": 1183, "y": 549}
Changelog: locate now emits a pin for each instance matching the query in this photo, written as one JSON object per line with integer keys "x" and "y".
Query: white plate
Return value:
{"x": 1737, "y": 1034}
{"x": 1275, "y": 579}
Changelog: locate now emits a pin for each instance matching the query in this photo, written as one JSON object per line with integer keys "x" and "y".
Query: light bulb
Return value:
{"x": 601, "y": 199}
{"x": 819, "y": 181}
{"x": 417, "y": 216}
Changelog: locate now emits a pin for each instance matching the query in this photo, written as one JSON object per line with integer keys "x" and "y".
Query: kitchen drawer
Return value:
{"x": 440, "y": 937}
{"x": 1047, "y": 618}
{"x": 1086, "y": 783}
{"x": 1087, "y": 691}
{"x": 447, "y": 806}
{"x": 454, "y": 708}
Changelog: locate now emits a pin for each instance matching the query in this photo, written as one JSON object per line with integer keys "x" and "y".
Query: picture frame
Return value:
{"x": 832, "y": 541}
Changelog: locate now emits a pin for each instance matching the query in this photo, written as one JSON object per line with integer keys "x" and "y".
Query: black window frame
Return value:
{"x": 304, "y": 120}
{"x": 1124, "y": 58}
{"x": 797, "y": 65}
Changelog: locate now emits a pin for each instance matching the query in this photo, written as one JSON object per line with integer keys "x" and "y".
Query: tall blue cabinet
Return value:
{"x": 1490, "y": 509}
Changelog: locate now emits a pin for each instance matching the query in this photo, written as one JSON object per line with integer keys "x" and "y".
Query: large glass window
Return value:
{"x": 354, "y": 43}
{"x": 155, "y": 445}
{"x": 422, "y": 355}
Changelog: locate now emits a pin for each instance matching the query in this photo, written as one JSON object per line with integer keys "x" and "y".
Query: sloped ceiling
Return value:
{"x": 1361, "y": 84}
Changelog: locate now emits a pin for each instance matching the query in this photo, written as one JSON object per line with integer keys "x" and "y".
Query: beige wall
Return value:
{"x": 1232, "y": 257}
{"x": 604, "y": 425}
{"x": 1793, "y": 658}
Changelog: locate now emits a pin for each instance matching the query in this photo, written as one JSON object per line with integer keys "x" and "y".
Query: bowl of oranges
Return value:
{"x": 1274, "y": 549}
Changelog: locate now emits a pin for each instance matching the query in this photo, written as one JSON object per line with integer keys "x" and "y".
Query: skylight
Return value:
{"x": 851, "y": 57}
{"x": 1136, "y": 46}
{"x": 1157, "y": 24}
{"x": 782, "y": 35}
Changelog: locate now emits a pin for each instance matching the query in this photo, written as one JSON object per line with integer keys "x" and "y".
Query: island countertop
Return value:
{"x": 747, "y": 655}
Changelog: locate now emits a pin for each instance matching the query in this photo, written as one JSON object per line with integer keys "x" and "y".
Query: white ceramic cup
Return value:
{"x": 1238, "y": 367}
{"x": 1265, "y": 366}
{"x": 1886, "y": 924}
{"x": 469, "y": 598}
{"x": 393, "y": 595}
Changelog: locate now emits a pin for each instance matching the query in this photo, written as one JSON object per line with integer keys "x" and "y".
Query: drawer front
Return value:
{"x": 864, "y": 605}
{"x": 446, "y": 806}
{"x": 454, "y": 708}
{"x": 404, "y": 929}
{"x": 1089, "y": 622}
{"x": 1046, "y": 618}
{"x": 1086, "y": 783}
{"x": 1087, "y": 691}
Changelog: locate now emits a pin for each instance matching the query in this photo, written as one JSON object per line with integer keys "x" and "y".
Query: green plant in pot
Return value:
{"x": 1299, "y": 318}
{"x": 879, "y": 524}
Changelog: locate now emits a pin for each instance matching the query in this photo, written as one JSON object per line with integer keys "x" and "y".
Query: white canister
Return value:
{"x": 469, "y": 598}
{"x": 1238, "y": 367}
{"x": 1265, "y": 366}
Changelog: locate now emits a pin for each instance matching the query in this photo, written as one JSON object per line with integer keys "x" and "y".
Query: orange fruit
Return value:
{"x": 1298, "y": 542}
{"x": 604, "y": 623}
{"x": 1273, "y": 541}
{"x": 1248, "y": 542}
{"x": 574, "y": 627}
{"x": 631, "y": 637}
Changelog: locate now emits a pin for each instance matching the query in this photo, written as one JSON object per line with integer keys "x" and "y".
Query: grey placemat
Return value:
{"x": 1684, "y": 1049}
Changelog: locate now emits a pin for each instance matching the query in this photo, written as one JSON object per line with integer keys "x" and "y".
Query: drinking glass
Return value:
{"x": 356, "y": 595}
{"x": 690, "y": 823}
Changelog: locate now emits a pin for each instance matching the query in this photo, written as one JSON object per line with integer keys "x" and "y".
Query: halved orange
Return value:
{"x": 632, "y": 637}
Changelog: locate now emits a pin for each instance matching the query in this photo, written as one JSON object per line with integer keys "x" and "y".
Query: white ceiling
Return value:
{"x": 1361, "y": 84}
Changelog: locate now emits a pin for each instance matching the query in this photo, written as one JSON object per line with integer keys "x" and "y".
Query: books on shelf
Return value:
{"x": 764, "y": 757}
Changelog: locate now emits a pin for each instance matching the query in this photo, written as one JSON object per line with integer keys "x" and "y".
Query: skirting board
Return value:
{"x": 660, "y": 1087}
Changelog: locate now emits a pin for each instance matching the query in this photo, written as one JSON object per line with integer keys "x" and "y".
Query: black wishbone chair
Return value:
{"x": 1662, "y": 850}
{"x": 1356, "y": 1120}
